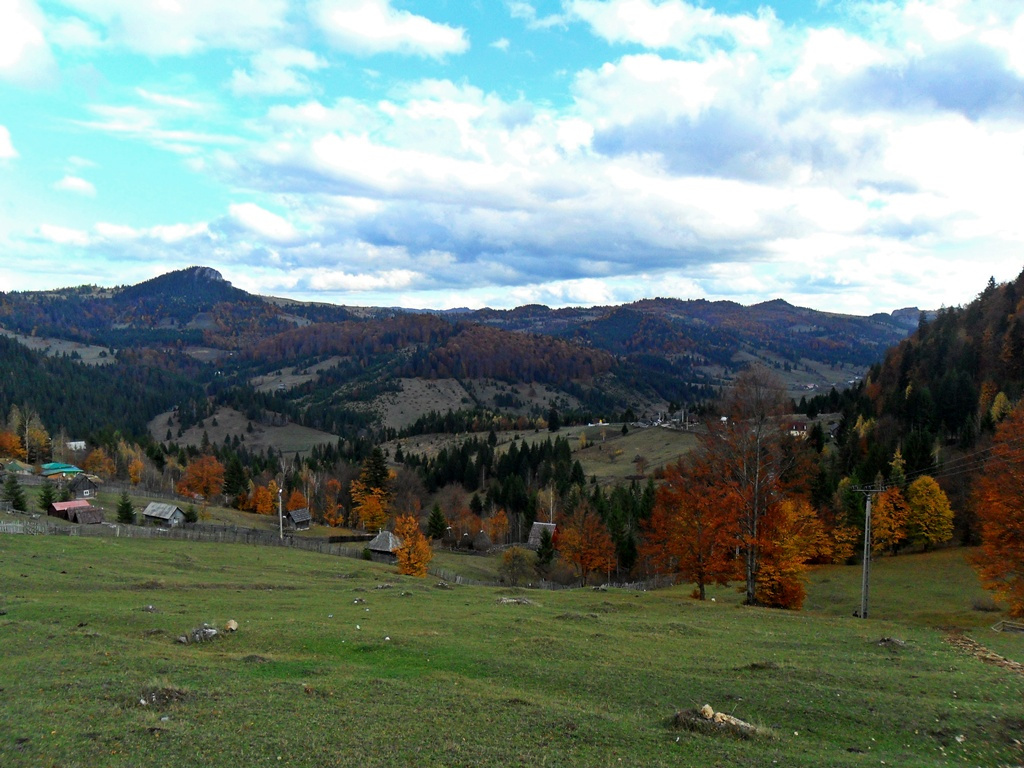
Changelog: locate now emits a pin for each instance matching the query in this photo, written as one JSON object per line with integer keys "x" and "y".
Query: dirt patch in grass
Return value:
{"x": 161, "y": 695}
{"x": 760, "y": 666}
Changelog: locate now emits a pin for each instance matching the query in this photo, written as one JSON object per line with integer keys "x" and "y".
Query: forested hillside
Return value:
{"x": 936, "y": 399}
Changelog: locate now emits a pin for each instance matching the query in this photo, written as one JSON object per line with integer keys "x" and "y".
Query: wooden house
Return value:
{"x": 298, "y": 519}
{"x": 83, "y": 486}
{"x": 168, "y": 515}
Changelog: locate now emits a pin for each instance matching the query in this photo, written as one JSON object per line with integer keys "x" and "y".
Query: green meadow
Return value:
{"x": 341, "y": 662}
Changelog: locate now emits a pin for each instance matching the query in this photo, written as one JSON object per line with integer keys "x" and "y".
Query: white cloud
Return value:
{"x": 73, "y": 33}
{"x": 25, "y": 57}
{"x": 182, "y": 27}
{"x": 76, "y": 185}
{"x": 262, "y": 222}
{"x": 390, "y": 280}
{"x": 276, "y": 72}
{"x": 525, "y": 11}
{"x": 501, "y": 44}
{"x": 675, "y": 24}
{"x": 63, "y": 235}
{"x": 7, "y": 151}
{"x": 368, "y": 27}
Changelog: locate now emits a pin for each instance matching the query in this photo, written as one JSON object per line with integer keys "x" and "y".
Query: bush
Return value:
{"x": 516, "y": 563}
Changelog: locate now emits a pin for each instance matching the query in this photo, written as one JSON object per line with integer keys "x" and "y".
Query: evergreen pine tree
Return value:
{"x": 546, "y": 551}
{"x": 47, "y": 495}
{"x": 437, "y": 525}
{"x": 125, "y": 510}
{"x": 12, "y": 492}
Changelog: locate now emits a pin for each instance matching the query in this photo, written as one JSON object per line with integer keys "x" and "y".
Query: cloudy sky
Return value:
{"x": 847, "y": 156}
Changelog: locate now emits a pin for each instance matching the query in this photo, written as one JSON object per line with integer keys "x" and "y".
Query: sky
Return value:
{"x": 843, "y": 155}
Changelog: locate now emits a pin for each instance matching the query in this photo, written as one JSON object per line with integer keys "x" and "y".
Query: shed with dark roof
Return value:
{"x": 163, "y": 514}
{"x": 298, "y": 519}
{"x": 384, "y": 543}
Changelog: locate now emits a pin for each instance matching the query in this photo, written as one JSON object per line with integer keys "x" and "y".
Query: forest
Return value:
{"x": 755, "y": 504}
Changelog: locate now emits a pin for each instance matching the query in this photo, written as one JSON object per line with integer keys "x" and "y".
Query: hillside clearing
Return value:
{"x": 326, "y": 668}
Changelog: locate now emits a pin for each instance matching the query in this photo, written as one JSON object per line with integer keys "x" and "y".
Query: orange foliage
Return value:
{"x": 203, "y": 477}
{"x": 584, "y": 541}
{"x": 888, "y": 520}
{"x": 693, "y": 528}
{"x": 415, "y": 553}
{"x": 10, "y": 445}
{"x": 497, "y": 526}
{"x": 296, "y": 501}
{"x": 370, "y": 506}
{"x": 791, "y": 536}
{"x": 262, "y": 500}
{"x": 999, "y": 501}
{"x": 333, "y": 513}
{"x": 99, "y": 463}
{"x": 135, "y": 468}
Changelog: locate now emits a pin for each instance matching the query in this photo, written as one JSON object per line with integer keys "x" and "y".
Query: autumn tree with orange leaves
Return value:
{"x": 692, "y": 531}
{"x": 296, "y": 500}
{"x": 10, "y": 445}
{"x": 791, "y": 535}
{"x": 415, "y": 553}
{"x": 748, "y": 452}
{"x": 203, "y": 477}
{"x": 584, "y": 541}
{"x": 333, "y": 513}
{"x": 261, "y": 500}
{"x": 371, "y": 492}
{"x": 888, "y": 520}
{"x": 999, "y": 502}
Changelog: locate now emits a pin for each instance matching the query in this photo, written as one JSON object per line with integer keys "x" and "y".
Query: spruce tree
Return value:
{"x": 12, "y": 492}
{"x": 125, "y": 510}
{"x": 47, "y": 495}
{"x": 546, "y": 551}
{"x": 437, "y": 525}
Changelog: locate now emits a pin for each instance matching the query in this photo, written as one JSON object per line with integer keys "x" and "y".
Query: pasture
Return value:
{"x": 342, "y": 662}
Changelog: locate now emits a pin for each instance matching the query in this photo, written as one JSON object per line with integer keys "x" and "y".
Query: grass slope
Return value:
{"x": 328, "y": 669}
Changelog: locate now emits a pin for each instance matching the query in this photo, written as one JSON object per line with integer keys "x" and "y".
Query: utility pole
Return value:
{"x": 865, "y": 577}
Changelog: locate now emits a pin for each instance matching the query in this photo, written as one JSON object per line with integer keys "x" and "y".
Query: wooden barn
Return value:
{"x": 83, "y": 486}
{"x": 298, "y": 519}
{"x": 383, "y": 546}
{"x": 169, "y": 515}
{"x": 77, "y": 511}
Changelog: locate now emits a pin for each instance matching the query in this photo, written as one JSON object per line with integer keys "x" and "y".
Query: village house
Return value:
{"x": 83, "y": 486}
{"x": 56, "y": 470}
{"x": 168, "y": 515}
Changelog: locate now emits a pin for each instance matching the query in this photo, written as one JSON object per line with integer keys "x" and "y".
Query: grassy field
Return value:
{"x": 330, "y": 669}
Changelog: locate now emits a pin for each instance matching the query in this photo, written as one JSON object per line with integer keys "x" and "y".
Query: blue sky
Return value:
{"x": 847, "y": 156}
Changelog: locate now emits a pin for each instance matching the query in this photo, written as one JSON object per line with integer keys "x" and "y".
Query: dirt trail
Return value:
{"x": 979, "y": 651}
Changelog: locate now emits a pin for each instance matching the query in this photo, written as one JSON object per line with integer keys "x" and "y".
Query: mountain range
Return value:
{"x": 337, "y": 368}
